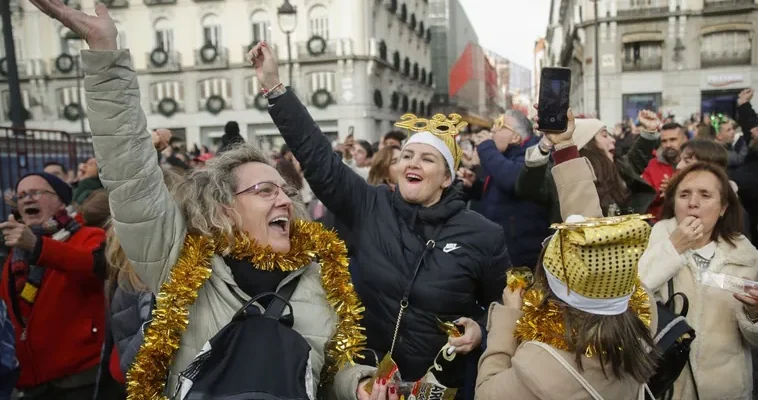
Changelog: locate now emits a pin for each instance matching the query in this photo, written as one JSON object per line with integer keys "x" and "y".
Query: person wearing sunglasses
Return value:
{"x": 52, "y": 282}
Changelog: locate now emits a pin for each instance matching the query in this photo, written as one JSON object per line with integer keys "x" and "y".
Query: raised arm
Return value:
{"x": 147, "y": 221}
{"x": 342, "y": 190}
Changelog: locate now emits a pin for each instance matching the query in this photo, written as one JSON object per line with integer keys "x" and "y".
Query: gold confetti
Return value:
{"x": 146, "y": 379}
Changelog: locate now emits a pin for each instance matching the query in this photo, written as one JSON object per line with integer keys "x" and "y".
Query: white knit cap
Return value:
{"x": 585, "y": 131}
{"x": 437, "y": 143}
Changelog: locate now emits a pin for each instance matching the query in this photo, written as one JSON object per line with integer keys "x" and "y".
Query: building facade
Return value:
{"x": 357, "y": 65}
{"x": 678, "y": 57}
{"x": 514, "y": 84}
{"x": 453, "y": 35}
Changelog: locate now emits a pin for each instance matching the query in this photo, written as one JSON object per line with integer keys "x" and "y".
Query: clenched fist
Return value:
{"x": 18, "y": 235}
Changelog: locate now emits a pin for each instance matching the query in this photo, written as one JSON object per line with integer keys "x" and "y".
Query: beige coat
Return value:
{"x": 720, "y": 354}
{"x": 151, "y": 227}
{"x": 509, "y": 369}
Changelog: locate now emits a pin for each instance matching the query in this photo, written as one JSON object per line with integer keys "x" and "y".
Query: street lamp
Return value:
{"x": 287, "y": 18}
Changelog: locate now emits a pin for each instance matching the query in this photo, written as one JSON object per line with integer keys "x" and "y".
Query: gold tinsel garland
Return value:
{"x": 147, "y": 377}
{"x": 543, "y": 321}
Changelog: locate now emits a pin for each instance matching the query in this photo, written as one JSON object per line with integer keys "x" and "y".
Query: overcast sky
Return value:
{"x": 509, "y": 27}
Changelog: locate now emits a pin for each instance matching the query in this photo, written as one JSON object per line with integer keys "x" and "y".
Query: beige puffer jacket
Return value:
{"x": 151, "y": 227}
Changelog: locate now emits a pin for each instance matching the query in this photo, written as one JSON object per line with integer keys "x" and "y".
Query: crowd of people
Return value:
{"x": 505, "y": 263}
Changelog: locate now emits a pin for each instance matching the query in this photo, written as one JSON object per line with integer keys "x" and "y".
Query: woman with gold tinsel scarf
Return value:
{"x": 563, "y": 338}
{"x": 237, "y": 231}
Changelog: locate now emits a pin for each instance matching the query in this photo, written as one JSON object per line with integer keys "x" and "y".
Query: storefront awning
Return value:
{"x": 636, "y": 37}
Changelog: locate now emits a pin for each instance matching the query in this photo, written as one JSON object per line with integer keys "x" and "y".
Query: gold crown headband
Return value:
{"x": 444, "y": 128}
{"x": 499, "y": 123}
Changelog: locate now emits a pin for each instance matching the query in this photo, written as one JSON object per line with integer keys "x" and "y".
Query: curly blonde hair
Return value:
{"x": 206, "y": 197}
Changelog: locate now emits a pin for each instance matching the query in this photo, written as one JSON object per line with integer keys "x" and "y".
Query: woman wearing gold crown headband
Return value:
{"x": 236, "y": 231}
{"x": 417, "y": 246}
{"x": 584, "y": 328}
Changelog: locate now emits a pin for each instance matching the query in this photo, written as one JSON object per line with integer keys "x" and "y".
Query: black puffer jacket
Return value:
{"x": 462, "y": 275}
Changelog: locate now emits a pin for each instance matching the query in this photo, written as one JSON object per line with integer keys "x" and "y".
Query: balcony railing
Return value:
{"x": 643, "y": 64}
{"x": 723, "y": 58}
{"x": 172, "y": 63}
{"x": 331, "y": 49}
{"x": 719, "y": 5}
{"x": 116, "y": 3}
{"x": 643, "y": 8}
{"x": 159, "y": 2}
{"x": 221, "y": 61}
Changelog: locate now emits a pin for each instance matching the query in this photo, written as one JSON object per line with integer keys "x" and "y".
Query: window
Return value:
{"x": 67, "y": 95}
{"x": 726, "y": 48}
{"x": 68, "y": 43}
{"x": 121, "y": 38}
{"x": 19, "y": 46}
{"x": 164, "y": 90}
{"x": 215, "y": 87}
{"x": 164, "y": 34}
{"x": 318, "y": 22}
{"x": 211, "y": 30}
{"x": 634, "y": 103}
{"x": 642, "y": 56}
{"x": 322, "y": 80}
{"x": 261, "y": 27}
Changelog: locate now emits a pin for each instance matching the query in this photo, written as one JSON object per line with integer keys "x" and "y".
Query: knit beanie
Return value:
{"x": 585, "y": 131}
{"x": 62, "y": 189}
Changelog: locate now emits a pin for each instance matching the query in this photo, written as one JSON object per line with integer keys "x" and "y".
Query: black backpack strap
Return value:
{"x": 279, "y": 303}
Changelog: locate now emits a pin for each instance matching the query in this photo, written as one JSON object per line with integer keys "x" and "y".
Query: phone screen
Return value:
{"x": 555, "y": 88}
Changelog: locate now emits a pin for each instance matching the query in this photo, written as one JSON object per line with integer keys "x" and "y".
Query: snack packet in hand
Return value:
{"x": 426, "y": 388}
{"x": 519, "y": 278}
{"x": 727, "y": 282}
{"x": 387, "y": 369}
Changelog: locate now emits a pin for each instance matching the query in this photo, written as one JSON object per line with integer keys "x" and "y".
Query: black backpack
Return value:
{"x": 256, "y": 356}
{"x": 674, "y": 337}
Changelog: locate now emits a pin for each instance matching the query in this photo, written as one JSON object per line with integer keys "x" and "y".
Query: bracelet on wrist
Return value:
{"x": 268, "y": 92}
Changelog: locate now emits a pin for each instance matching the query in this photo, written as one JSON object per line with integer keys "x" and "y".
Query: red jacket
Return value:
{"x": 64, "y": 332}
{"x": 653, "y": 174}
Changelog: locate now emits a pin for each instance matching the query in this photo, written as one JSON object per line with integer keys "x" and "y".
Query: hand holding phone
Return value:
{"x": 555, "y": 89}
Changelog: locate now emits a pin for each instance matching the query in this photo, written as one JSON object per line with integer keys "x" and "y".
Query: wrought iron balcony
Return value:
{"x": 643, "y": 8}
{"x": 205, "y": 59}
{"x": 164, "y": 61}
{"x": 116, "y": 3}
{"x": 159, "y": 2}
{"x": 726, "y": 57}
{"x": 316, "y": 49}
{"x": 727, "y": 5}
{"x": 643, "y": 64}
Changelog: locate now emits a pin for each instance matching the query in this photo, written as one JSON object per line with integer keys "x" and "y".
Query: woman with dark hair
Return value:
{"x": 703, "y": 150}
{"x": 619, "y": 183}
{"x": 697, "y": 243}
{"x": 585, "y": 326}
{"x": 384, "y": 169}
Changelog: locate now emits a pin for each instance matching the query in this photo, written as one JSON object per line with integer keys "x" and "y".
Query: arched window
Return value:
{"x": 318, "y": 21}
{"x": 211, "y": 30}
{"x": 164, "y": 34}
{"x": 261, "y": 27}
{"x": 166, "y": 90}
{"x": 215, "y": 87}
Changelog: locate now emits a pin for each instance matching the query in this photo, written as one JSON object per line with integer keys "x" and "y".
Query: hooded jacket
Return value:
{"x": 460, "y": 276}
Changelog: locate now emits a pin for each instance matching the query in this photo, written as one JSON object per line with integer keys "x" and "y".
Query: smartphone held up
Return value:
{"x": 555, "y": 89}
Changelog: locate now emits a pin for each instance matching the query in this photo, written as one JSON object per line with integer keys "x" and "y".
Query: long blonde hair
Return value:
{"x": 206, "y": 197}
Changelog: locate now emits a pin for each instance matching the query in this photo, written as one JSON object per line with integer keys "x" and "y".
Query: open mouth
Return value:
{"x": 31, "y": 211}
{"x": 280, "y": 223}
{"x": 413, "y": 178}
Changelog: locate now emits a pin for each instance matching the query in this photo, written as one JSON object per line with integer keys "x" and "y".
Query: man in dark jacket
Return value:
{"x": 231, "y": 137}
{"x": 746, "y": 175}
{"x": 501, "y": 154}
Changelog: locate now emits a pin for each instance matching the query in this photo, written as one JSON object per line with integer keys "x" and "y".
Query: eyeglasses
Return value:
{"x": 269, "y": 190}
{"x": 32, "y": 194}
